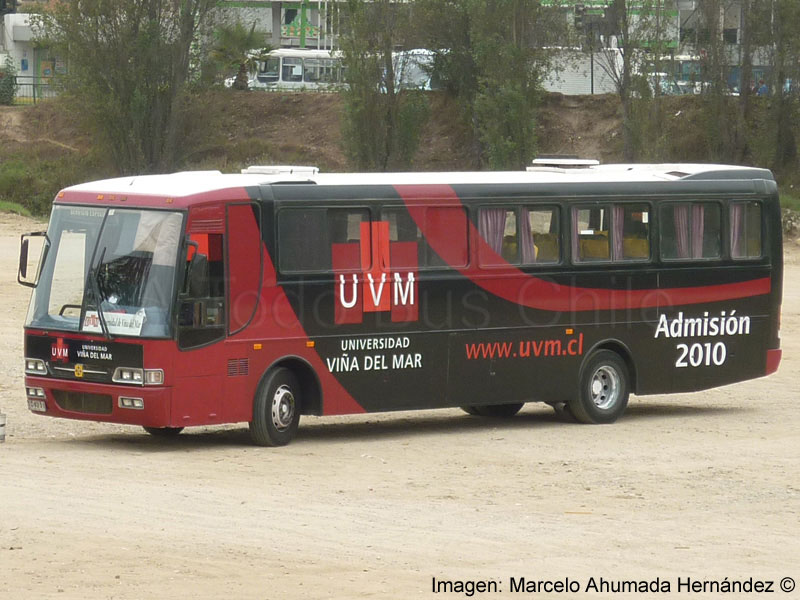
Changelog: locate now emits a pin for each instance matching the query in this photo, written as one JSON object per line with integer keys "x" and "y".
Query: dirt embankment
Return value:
{"x": 277, "y": 128}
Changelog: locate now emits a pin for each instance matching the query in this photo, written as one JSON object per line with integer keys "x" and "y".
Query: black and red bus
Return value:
{"x": 204, "y": 298}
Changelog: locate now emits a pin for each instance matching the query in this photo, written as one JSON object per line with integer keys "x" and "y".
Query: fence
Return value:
{"x": 31, "y": 90}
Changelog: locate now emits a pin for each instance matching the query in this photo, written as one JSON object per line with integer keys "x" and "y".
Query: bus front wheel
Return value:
{"x": 276, "y": 409}
{"x": 604, "y": 387}
{"x": 503, "y": 411}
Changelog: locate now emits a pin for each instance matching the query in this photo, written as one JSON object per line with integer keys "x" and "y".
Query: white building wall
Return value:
{"x": 18, "y": 42}
{"x": 572, "y": 73}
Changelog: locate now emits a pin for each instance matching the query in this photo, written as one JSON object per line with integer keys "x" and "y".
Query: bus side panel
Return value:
{"x": 199, "y": 381}
{"x": 700, "y": 346}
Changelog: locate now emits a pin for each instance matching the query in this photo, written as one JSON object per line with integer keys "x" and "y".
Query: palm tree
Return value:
{"x": 238, "y": 48}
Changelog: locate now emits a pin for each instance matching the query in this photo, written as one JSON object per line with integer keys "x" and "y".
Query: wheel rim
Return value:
{"x": 282, "y": 408}
{"x": 604, "y": 387}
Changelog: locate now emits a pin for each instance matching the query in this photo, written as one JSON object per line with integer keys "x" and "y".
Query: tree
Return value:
{"x": 784, "y": 60}
{"x": 641, "y": 33}
{"x": 492, "y": 56}
{"x": 382, "y": 122}
{"x": 723, "y": 127}
{"x": 239, "y": 48}
{"x": 128, "y": 65}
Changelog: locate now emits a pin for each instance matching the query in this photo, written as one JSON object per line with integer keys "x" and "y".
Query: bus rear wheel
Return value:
{"x": 276, "y": 409}
{"x": 163, "y": 432}
{"x": 604, "y": 388}
{"x": 502, "y": 411}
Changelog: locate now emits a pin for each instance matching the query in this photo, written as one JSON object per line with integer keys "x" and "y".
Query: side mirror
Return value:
{"x": 23, "y": 260}
{"x": 22, "y": 274}
{"x": 190, "y": 267}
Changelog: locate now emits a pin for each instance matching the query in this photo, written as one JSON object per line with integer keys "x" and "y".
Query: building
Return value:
{"x": 289, "y": 23}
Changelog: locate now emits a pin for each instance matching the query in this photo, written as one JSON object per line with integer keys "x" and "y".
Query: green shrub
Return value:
{"x": 8, "y": 82}
{"x": 33, "y": 183}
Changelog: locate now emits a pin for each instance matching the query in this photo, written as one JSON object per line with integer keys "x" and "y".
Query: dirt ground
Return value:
{"x": 703, "y": 486}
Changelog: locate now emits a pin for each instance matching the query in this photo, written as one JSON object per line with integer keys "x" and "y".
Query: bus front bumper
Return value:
{"x": 125, "y": 404}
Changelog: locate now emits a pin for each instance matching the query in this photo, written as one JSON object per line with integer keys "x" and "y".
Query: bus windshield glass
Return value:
{"x": 108, "y": 271}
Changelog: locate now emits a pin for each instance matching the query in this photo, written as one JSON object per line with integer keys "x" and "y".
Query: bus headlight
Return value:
{"x": 126, "y": 402}
{"x": 153, "y": 377}
{"x": 128, "y": 375}
{"x": 34, "y": 392}
{"x": 35, "y": 366}
{"x": 138, "y": 376}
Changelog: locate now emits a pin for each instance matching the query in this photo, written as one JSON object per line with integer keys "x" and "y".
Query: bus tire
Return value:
{"x": 276, "y": 409}
{"x": 163, "y": 432}
{"x": 500, "y": 411}
{"x": 604, "y": 387}
{"x": 562, "y": 412}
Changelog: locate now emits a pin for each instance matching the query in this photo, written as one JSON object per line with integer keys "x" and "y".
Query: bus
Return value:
{"x": 202, "y": 298}
{"x": 299, "y": 69}
{"x": 307, "y": 69}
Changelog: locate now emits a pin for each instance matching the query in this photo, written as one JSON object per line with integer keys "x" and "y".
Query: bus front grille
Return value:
{"x": 82, "y": 402}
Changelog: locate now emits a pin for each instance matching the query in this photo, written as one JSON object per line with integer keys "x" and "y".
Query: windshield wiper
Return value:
{"x": 94, "y": 276}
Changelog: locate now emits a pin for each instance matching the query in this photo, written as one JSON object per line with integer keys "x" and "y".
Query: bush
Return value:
{"x": 8, "y": 82}
{"x": 33, "y": 183}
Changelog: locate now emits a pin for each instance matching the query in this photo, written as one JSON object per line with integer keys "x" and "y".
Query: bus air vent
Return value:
{"x": 561, "y": 161}
{"x": 82, "y": 402}
{"x": 207, "y": 225}
{"x": 280, "y": 170}
{"x": 238, "y": 366}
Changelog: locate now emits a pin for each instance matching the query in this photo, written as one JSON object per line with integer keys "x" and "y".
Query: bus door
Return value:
{"x": 201, "y": 321}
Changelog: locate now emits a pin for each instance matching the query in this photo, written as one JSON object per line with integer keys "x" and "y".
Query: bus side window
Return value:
{"x": 632, "y": 232}
{"x": 318, "y": 240}
{"x": 540, "y": 235}
{"x": 292, "y": 69}
{"x": 404, "y": 230}
{"x": 201, "y": 314}
{"x": 205, "y": 274}
{"x": 312, "y": 70}
{"x": 446, "y": 228}
{"x": 589, "y": 239}
{"x": 690, "y": 230}
{"x": 498, "y": 228}
{"x": 350, "y": 239}
{"x": 745, "y": 227}
{"x": 303, "y": 240}
{"x": 269, "y": 70}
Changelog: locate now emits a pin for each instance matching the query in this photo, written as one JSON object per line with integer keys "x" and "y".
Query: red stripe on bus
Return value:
{"x": 512, "y": 284}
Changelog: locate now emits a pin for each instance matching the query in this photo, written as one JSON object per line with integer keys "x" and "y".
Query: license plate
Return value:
{"x": 37, "y": 405}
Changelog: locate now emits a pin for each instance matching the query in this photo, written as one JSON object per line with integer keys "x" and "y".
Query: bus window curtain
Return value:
{"x": 681, "y": 218}
{"x": 526, "y": 238}
{"x": 737, "y": 222}
{"x": 491, "y": 226}
{"x": 698, "y": 220}
{"x": 618, "y": 222}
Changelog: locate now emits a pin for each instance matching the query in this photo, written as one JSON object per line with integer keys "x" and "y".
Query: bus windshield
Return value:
{"x": 108, "y": 271}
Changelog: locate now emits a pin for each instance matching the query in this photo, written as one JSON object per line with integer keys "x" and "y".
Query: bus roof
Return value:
{"x": 193, "y": 183}
{"x": 303, "y": 53}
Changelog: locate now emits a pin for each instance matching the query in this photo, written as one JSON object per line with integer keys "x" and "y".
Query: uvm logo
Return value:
{"x": 59, "y": 352}
{"x": 375, "y": 275}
